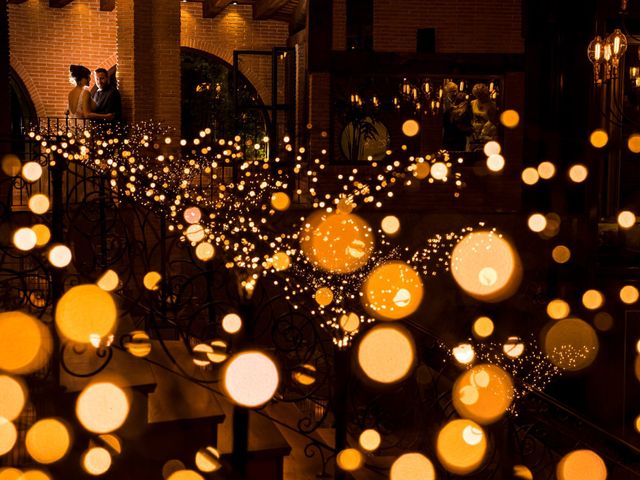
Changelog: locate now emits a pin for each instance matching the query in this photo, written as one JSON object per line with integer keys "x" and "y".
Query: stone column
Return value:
{"x": 149, "y": 60}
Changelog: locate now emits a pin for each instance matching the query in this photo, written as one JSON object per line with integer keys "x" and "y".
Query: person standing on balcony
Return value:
{"x": 81, "y": 104}
{"x": 107, "y": 96}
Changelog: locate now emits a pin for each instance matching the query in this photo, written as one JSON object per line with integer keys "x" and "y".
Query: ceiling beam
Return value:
{"x": 299, "y": 17}
{"x": 59, "y": 3}
{"x": 107, "y": 5}
{"x": 211, "y": 8}
{"x": 265, "y": 9}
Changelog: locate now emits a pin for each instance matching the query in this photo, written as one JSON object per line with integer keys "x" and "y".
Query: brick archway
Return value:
{"x": 30, "y": 85}
{"x": 226, "y": 54}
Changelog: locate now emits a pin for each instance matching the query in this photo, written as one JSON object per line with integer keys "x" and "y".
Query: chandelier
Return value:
{"x": 605, "y": 55}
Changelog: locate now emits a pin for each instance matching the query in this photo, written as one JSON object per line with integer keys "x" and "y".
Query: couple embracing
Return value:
{"x": 103, "y": 104}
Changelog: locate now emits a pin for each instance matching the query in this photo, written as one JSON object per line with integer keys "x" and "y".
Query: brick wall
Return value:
{"x": 45, "y": 41}
{"x": 462, "y": 26}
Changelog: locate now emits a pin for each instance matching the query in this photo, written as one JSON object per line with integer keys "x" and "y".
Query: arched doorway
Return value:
{"x": 23, "y": 112}
{"x": 208, "y": 99}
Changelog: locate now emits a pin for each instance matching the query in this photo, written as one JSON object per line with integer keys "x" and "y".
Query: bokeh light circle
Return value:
{"x": 369, "y": 440}
{"x": 337, "y": 242}
{"x": 231, "y": 323}
{"x": 412, "y": 466}
{"x": 485, "y": 266}
{"x": 483, "y": 327}
{"x": 392, "y": 291}
{"x": 102, "y": 407}
{"x": 581, "y": 465}
{"x": 386, "y": 353}
{"x": 251, "y": 378}
{"x": 25, "y": 343}
{"x": 60, "y": 256}
{"x": 349, "y": 460}
{"x": 410, "y": 128}
{"x": 208, "y": 460}
{"x": 323, "y": 296}
{"x": 280, "y": 201}
{"x": 39, "y": 203}
{"x": 48, "y": 440}
{"x": 571, "y": 344}
{"x": 25, "y": 239}
{"x": 8, "y": 435}
{"x": 461, "y": 446}
{"x": 85, "y": 312}
{"x": 629, "y": 294}
{"x": 578, "y": 173}
{"x": 96, "y": 461}
{"x": 13, "y": 395}
{"x": 483, "y": 393}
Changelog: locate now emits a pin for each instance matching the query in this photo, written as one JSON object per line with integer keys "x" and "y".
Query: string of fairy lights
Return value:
{"x": 225, "y": 197}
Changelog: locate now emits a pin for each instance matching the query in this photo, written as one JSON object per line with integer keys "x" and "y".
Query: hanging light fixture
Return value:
{"x": 606, "y": 54}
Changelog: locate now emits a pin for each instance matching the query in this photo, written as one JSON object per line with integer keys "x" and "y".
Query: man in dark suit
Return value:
{"x": 106, "y": 97}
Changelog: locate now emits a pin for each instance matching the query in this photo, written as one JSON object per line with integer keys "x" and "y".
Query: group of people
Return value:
{"x": 103, "y": 104}
{"x": 468, "y": 125}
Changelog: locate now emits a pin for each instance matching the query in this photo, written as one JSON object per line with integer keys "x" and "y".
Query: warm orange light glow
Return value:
{"x": 483, "y": 327}
{"x": 464, "y": 353}
{"x": 109, "y": 281}
{"x": 592, "y": 299}
{"x": 412, "y": 466}
{"x": 337, "y": 242}
{"x": 410, "y": 128}
{"x": 349, "y": 459}
{"x": 195, "y": 233}
{"x": 510, "y": 118}
{"x": 280, "y": 201}
{"x": 31, "y": 171}
{"x": 369, "y": 440}
{"x": 629, "y": 294}
{"x": 8, "y": 435}
{"x": 192, "y": 215}
{"x": 305, "y": 374}
{"x": 34, "y": 475}
{"x": 558, "y": 309}
{"x": 392, "y": 291}
{"x": 208, "y": 460}
{"x": 10, "y": 474}
{"x": 39, "y": 204}
{"x": 386, "y": 353}
{"x": 48, "y": 440}
{"x": 520, "y": 472}
{"x": 231, "y": 323}
{"x": 537, "y": 222}
{"x": 492, "y": 148}
{"x": 205, "y": 251}
{"x": 578, "y": 173}
{"x": 151, "y": 281}
{"x": 390, "y": 225}
{"x": 323, "y": 296}
{"x": 96, "y": 461}
{"x": 422, "y": 170}
{"x": 25, "y": 343}
{"x": 43, "y": 234}
{"x": 185, "y": 475}
{"x": 85, "y": 312}
{"x": 571, "y": 344}
{"x": 102, "y": 407}
{"x": 11, "y": 165}
{"x": 439, "y": 171}
{"x": 60, "y": 256}
{"x": 581, "y": 465}
{"x": 251, "y": 378}
{"x": 495, "y": 162}
{"x": 485, "y": 266}
{"x": 633, "y": 143}
{"x": 603, "y": 321}
{"x": 599, "y": 138}
{"x": 561, "y": 254}
{"x": 461, "y": 446}
{"x": 483, "y": 393}
{"x": 170, "y": 467}
{"x": 281, "y": 261}
{"x": 25, "y": 239}
{"x": 349, "y": 322}
{"x": 626, "y": 219}
{"x": 13, "y": 396}
{"x": 513, "y": 347}
{"x": 546, "y": 170}
{"x": 530, "y": 176}
{"x": 139, "y": 345}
